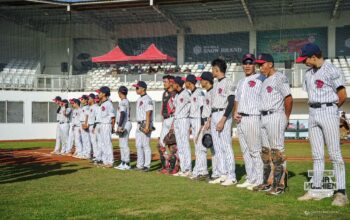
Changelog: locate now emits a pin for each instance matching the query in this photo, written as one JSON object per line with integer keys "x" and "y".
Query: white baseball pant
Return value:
{"x": 181, "y": 127}
{"x": 86, "y": 142}
{"x": 93, "y": 139}
{"x": 105, "y": 143}
{"x": 144, "y": 153}
{"x": 200, "y": 167}
{"x": 64, "y": 132}
{"x": 124, "y": 143}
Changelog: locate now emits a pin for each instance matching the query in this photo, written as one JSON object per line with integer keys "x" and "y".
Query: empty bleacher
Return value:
{"x": 19, "y": 74}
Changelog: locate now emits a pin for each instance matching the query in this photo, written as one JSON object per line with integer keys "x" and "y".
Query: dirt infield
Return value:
{"x": 42, "y": 155}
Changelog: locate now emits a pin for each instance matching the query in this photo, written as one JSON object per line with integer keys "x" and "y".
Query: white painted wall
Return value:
{"x": 29, "y": 130}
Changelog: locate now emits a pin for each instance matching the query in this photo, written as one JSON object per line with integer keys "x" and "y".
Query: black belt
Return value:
{"x": 140, "y": 122}
{"x": 217, "y": 110}
{"x": 319, "y": 105}
{"x": 243, "y": 114}
{"x": 166, "y": 117}
{"x": 264, "y": 113}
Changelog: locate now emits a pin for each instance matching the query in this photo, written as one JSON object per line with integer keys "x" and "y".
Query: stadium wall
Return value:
{"x": 28, "y": 130}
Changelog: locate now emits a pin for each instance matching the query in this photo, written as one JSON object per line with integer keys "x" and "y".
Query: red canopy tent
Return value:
{"x": 154, "y": 55}
{"x": 114, "y": 56}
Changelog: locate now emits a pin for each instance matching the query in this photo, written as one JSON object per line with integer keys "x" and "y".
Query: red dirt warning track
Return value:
{"x": 42, "y": 155}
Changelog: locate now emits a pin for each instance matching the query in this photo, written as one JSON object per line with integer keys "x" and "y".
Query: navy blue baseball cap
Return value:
{"x": 77, "y": 101}
{"x": 308, "y": 50}
{"x": 190, "y": 78}
{"x": 57, "y": 98}
{"x": 207, "y": 76}
{"x": 85, "y": 97}
{"x": 65, "y": 101}
{"x": 264, "y": 58}
{"x": 92, "y": 95}
{"x": 248, "y": 56}
{"x": 104, "y": 89}
{"x": 123, "y": 90}
{"x": 140, "y": 84}
{"x": 178, "y": 80}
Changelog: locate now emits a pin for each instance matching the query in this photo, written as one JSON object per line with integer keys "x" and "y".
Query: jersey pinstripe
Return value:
{"x": 222, "y": 89}
{"x": 321, "y": 84}
{"x": 207, "y": 103}
{"x": 273, "y": 91}
{"x": 247, "y": 94}
{"x": 124, "y": 106}
{"x": 182, "y": 104}
{"x": 197, "y": 99}
{"x": 92, "y": 114}
{"x": 143, "y": 105}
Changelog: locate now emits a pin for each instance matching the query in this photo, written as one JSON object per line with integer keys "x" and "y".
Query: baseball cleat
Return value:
{"x": 275, "y": 191}
{"x": 340, "y": 200}
{"x": 251, "y": 187}
{"x": 180, "y": 173}
{"x": 186, "y": 174}
{"x": 244, "y": 185}
{"x": 229, "y": 182}
{"x": 262, "y": 187}
{"x": 120, "y": 167}
{"x": 218, "y": 180}
{"x": 145, "y": 169}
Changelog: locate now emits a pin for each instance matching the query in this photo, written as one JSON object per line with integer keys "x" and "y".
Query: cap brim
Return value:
{"x": 98, "y": 91}
{"x": 199, "y": 78}
{"x": 300, "y": 59}
{"x": 253, "y": 60}
{"x": 136, "y": 86}
{"x": 260, "y": 61}
{"x": 183, "y": 79}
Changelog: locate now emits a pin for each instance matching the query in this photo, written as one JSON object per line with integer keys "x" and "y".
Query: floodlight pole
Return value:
{"x": 246, "y": 9}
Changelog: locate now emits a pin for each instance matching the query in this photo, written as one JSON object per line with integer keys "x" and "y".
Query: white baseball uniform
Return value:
{"x": 321, "y": 85}
{"x": 144, "y": 104}
{"x": 85, "y": 132}
{"x": 195, "y": 116}
{"x": 249, "y": 131}
{"x": 124, "y": 106}
{"x": 222, "y": 141}
{"x": 64, "y": 129}
{"x": 181, "y": 127}
{"x": 104, "y": 132}
{"x": 58, "y": 130}
{"x": 92, "y": 131}
{"x": 76, "y": 132}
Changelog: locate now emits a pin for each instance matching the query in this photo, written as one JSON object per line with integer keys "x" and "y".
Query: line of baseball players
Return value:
{"x": 261, "y": 105}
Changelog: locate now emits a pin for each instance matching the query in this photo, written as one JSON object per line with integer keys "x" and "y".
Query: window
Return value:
{"x": 11, "y": 112}
{"x": 44, "y": 112}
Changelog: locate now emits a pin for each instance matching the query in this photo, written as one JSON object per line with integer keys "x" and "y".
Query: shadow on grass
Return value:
{"x": 30, "y": 168}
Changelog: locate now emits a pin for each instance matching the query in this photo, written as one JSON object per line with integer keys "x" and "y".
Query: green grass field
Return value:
{"x": 78, "y": 190}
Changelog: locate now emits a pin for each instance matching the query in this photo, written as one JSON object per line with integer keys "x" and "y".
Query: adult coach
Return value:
{"x": 247, "y": 117}
{"x": 221, "y": 124}
{"x": 275, "y": 106}
{"x": 325, "y": 87}
{"x": 167, "y": 111}
{"x": 144, "y": 109}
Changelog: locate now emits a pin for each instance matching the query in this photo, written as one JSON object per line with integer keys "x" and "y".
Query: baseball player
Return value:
{"x": 64, "y": 126}
{"x": 124, "y": 128}
{"x": 221, "y": 124}
{"x": 200, "y": 170}
{"x": 325, "y": 87}
{"x": 207, "y": 81}
{"x": 93, "y": 109}
{"x": 84, "y": 129}
{"x": 57, "y": 100}
{"x": 247, "y": 117}
{"x": 70, "y": 133}
{"x": 144, "y": 109}
{"x": 105, "y": 120}
{"x": 181, "y": 126}
{"x": 275, "y": 107}
{"x": 167, "y": 111}
{"x": 76, "y": 124}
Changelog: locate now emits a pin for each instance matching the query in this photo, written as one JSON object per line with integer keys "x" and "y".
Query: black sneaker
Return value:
{"x": 145, "y": 169}
{"x": 137, "y": 169}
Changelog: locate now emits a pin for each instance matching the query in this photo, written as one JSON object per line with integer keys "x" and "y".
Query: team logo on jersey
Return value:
{"x": 181, "y": 100}
{"x": 220, "y": 90}
{"x": 103, "y": 108}
{"x": 90, "y": 110}
{"x": 207, "y": 100}
{"x": 83, "y": 110}
{"x": 141, "y": 103}
{"x": 251, "y": 83}
{"x": 269, "y": 89}
{"x": 194, "y": 99}
{"x": 319, "y": 83}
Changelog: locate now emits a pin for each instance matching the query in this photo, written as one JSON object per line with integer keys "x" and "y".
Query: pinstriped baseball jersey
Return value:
{"x": 124, "y": 107}
{"x": 222, "y": 89}
{"x": 197, "y": 99}
{"x": 105, "y": 113}
{"x": 247, "y": 94}
{"x": 273, "y": 91}
{"x": 59, "y": 114}
{"x": 65, "y": 118}
{"x": 76, "y": 117}
{"x": 143, "y": 105}
{"x": 207, "y": 103}
{"x": 92, "y": 114}
{"x": 85, "y": 112}
{"x": 182, "y": 104}
{"x": 321, "y": 85}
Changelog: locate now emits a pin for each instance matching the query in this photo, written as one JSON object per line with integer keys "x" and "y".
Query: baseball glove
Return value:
{"x": 143, "y": 125}
{"x": 170, "y": 139}
{"x": 120, "y": 132}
